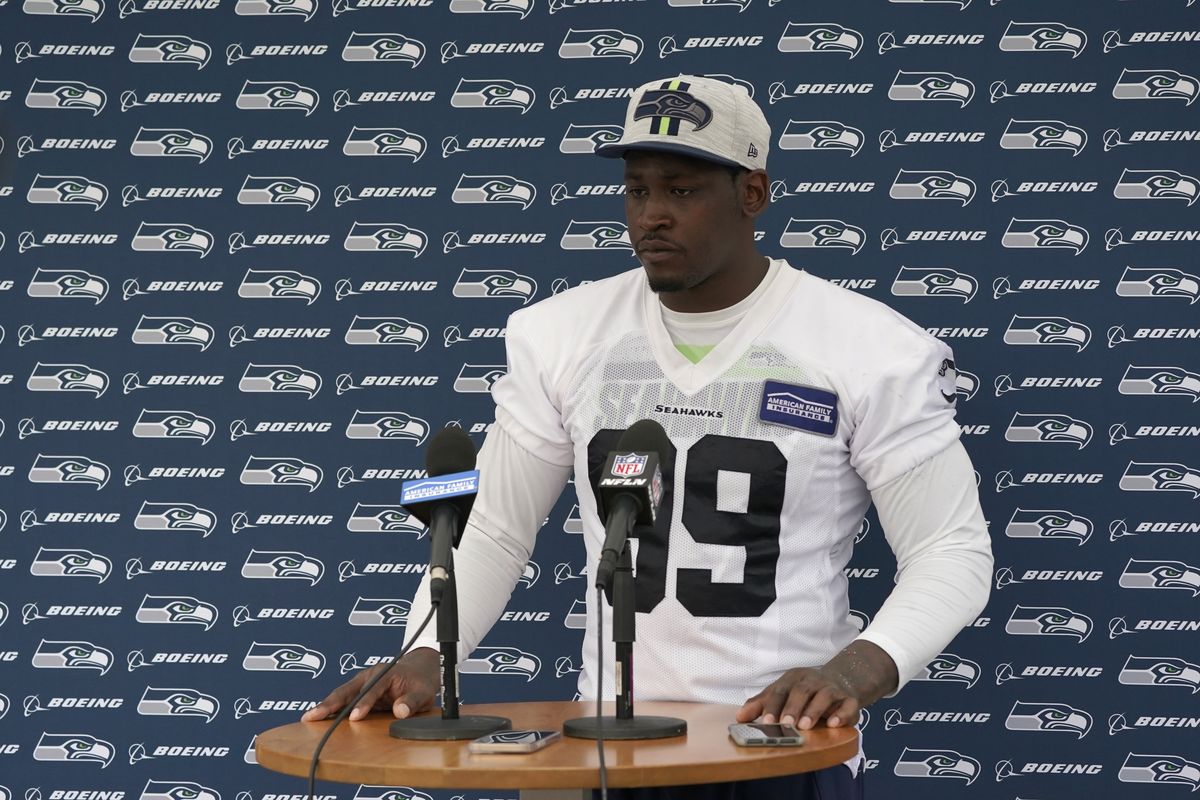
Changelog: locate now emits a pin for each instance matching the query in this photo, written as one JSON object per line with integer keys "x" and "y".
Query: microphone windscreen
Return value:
{"x": 644, "y": 436}
{"x": 450, "y": 450}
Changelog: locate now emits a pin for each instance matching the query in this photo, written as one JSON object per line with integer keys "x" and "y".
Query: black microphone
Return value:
{"x": 629, "y": 490}
{"x": 443, "y": 500}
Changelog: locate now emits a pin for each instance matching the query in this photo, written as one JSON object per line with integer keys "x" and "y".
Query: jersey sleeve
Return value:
{"x": 906, "y": 414}
{"x": 527, "y": 403}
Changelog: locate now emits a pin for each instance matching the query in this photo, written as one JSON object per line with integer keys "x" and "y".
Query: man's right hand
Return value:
{"x": 408, "y": 688}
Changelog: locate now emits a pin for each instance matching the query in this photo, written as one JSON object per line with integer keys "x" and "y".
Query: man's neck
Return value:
{"x": 726, "y": 288}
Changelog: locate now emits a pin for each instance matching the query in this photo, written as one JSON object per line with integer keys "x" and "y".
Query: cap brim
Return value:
{"x": 619, "y": 149}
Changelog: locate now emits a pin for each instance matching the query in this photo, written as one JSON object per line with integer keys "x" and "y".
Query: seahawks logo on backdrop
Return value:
{"x": 177, "y": 790}
{"x": 177, "y": 703}
{"x": 1159, "y": 282}
{"x": 383, "y": 47}
{"x": 1048, "y": 717}
{"x": 600, "y": 43}
{"x": 174, "y": 517}
{"x": 70, "y": 563}
{"x": 502, "y": 661}
{"x": 282, "y": 564}
{"x": 263, "y": 657}
{"x": 1160, "y": 381}
{"x": 383, "y": 237}
{"x": 1156, "y": 184}
{"x": 383, "y": 519}
{"x": 820, "y": 37}
{"x": 586, "y": 138}
{"x": 68, "y": 470}
{"x": 170, "y": 49}
{"x": 72, "y": 655}
{"x": 1043, "y": 134}
{"x": 170, "y": 142}
{"x": 595, "y": 236}
{"x": 379, "y": 612}
{"x": 520, "y": 7}
{"x": 1153, "y": 671}
{"x": 669, "y": 106}
{"x": 931, "y": 86}
{"x": 1156, "y": 84}
{"x": 494, "y": 189}
{"x": 1048, "y": 524}
{"x": 492, "y": 94}
{"x": 277, "y": 96}
{"x": 90, "y": 9}
{"x": 172, "y": 330}
{"x": 1041, "y": 428}
{"x": 276, "y": 284}
{"x": 171, "y": 238}
{"x": 1047, "y": 331}
{"x": 960, "y": 3}
{"x": 1160, "y": 769}
{"x": 935, "y": 282}
{"x": 1140, "y": 574}
{"x": 932, "y": 185}
{"x": 386, "y": 331}
{"x": 387, "y": 425}
{"x": 494, "y": 283}
{"x": 478, "y": 378}
{"x": 1044, "y": 234}
{"x": 278, "y": 191}
{"x": 368, "y": 792}
{"x": 67, "y": 190}
{"x": 821, "y": 135}
{"x": 1042, "y": 37}
{"x": 947, "y": 667}
{"x": 1160, "y": 476}
{"x": 384, "y": 142}
{"x": 67, "y": 283}
{"x": 73, "y": 747}
{"x": 176, "y": 610}
{"x": 66, "y": 95}
{"x": 267, "y": 8}
{"x": 267, "y": 471}
{"x": 279, "y": 378}
{"x": 1048, "y": 621}
{"x": 820, "y": 233}
{"x": 173, "y": 425}
{"x": 915, "y": 763}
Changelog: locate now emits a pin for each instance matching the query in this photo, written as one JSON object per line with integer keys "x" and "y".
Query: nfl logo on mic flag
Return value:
{"x": 629, "y": 465}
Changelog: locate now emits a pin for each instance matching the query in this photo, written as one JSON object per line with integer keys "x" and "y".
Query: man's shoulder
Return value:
{"x": 580, "y": 307}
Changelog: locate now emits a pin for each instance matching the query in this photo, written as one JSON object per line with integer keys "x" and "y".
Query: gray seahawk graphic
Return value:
{"x": 820, "y": 37}
{"x": 519, "y": 7}
{"x": 600, "y": 43}
{"x": 387, "y": 425}
{"x": 1146, "y": 768}
{"x": 934, "y": 282}
{"x": 386, "y": 330}
{"x": 1048, "y": 621}
{"x": 65, "y": 95}
{"x": 1048, "y": 524}
{"x": 282, "y": 564}
{"x": 177, "y": 790}
{"x": 1156, "y": 84}
{"x": 267, "y": 8}
{"x": 277, "y": 96}
{"x": 1160, "y": 476}
{"x": 172, "y": 330}
{"x": 1044, "y": 233}
{"x": 1049, "y": 331}
{"x": 1043, "y": 428}
{"x": 68, "y": 470}
{"x": 157, "y": 702}
{"x": 1043, "y": 134}
{"x": 821, "y": 135}
{"x": 72, "y": 655}
{"x": 1049, "y": 717}
{"x": 383, "y": 612}
{"x": 383, "y": 519}
{"x": 384, "y": 142}
{"x": 494, "y": 283}
{"x": 73, "y": 747}
{"x": 1156, "y": 184}
{"x": 1142, "y": 574}
{"x": 170, "y": 49}
{"x": 1160, "y": 671}
{"x": 494, "y": 189}
{"x": 66, "y": 378}
{"x": 173, "y": 425}
{"x": 496, "y": 93}
{"x": 66, "y": 190}
{"x": 1042, "y": 37}
{"x": 385, "y": 237}
{"x": 278, "y": 471}
{"x": 65, "y": 283}
{"x": 915, "y": 763}
{"x": 91, "y": 10}
{"x": 931, "y": 86}
{"x": 275, "y": 284}
{"x": 502, "y": 661}
{"x": 176, "y": 610}
{"x": 1160, "y": 381}
{"x": 279, "y": 378}
{"x": 949, "y": 667}
{"x": 822, "y": 233}
{"x": 171, "y": 143}
{"x": 586, "y": 138}
{"x": 932, "y": 185}
{"x": 1159, "y": 282}
{"x": 264, "y": 657}
{"x": 270, "y": 191}
{"x": 383, "y": 47}
{"x": 607, "y": 235}
{"x": 172, "y": 237}
{"x": 174, "y": 517}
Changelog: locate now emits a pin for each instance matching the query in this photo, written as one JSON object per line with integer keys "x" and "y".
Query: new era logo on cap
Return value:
{"x": 697, "y": 116}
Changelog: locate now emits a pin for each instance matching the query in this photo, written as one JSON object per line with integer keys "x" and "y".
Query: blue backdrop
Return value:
{"x": 253, "y": 252}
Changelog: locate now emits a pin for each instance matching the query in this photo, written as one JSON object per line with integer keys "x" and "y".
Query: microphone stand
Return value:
{"x": 624, "y": 725}
{"x": 449, "y": 726}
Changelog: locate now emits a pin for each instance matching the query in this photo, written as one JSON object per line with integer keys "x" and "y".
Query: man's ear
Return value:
{"x": 755, "y": 193}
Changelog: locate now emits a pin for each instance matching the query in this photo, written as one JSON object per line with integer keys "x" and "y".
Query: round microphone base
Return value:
{"x": 633, "y": 728}
{"x": 438, "y": 729}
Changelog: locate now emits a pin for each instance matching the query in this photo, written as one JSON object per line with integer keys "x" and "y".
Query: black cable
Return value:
{"x": 600, "y": 692}
{"x": 345, "y": 712}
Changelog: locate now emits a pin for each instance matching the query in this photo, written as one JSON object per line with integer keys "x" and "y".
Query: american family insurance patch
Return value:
{"x": 804, "y": 407}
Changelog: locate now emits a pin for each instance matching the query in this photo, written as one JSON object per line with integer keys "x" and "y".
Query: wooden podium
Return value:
{"x": 362, "y": 752}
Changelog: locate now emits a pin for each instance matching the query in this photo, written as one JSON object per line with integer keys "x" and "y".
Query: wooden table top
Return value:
{"x": 363, "y": 752}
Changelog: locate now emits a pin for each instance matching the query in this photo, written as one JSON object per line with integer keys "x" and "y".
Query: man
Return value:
{"x": 791, "y": 405}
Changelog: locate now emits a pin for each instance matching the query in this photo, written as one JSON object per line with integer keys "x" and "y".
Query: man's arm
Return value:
{"x": 933, "y": 522}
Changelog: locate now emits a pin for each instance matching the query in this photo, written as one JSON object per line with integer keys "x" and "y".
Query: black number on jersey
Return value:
{"x": 756, "y": 530}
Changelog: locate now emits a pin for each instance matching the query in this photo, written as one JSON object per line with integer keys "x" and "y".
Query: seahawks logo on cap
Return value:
{"x": 671, "y": 104}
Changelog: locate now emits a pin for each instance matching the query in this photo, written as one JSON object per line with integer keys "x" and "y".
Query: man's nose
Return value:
{"x": 654, "y": 213}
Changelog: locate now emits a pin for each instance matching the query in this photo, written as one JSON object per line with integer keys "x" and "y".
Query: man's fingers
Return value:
{"x": 775, "y": 698}
{"x": 750, "y": 710}
{"x": 844, "y": 713}
{"x": 817, "y": 705}
{"x": 318, "y": 712}
{"x": 333, "y": 702}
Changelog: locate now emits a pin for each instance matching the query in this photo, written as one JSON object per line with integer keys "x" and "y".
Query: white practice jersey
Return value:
{"x": 818, "y": 396}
